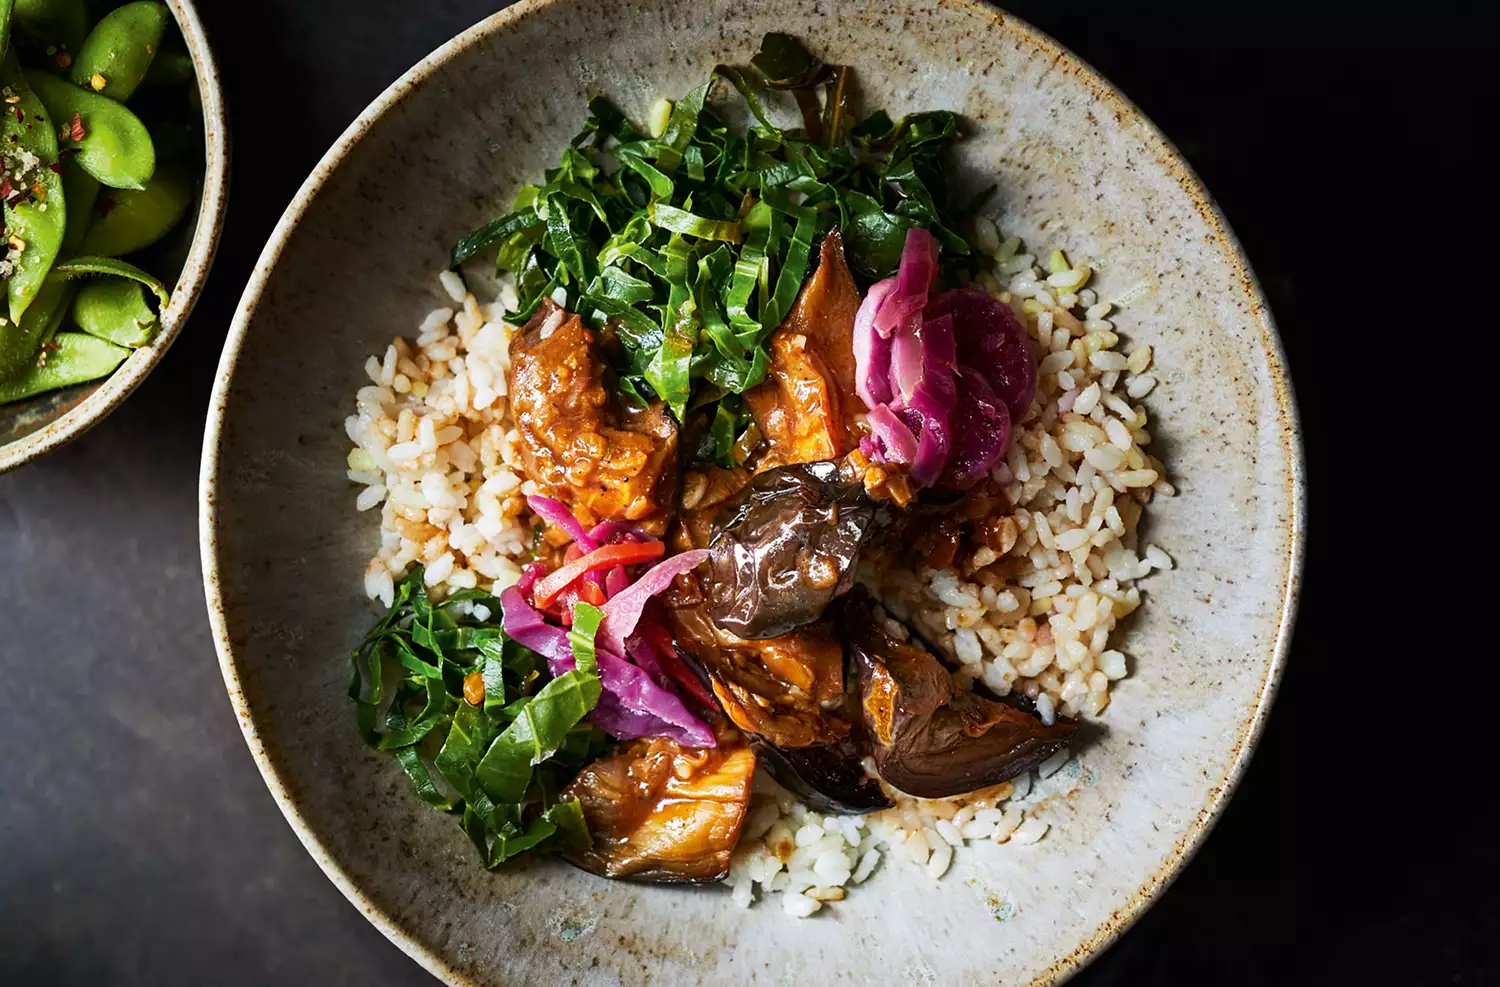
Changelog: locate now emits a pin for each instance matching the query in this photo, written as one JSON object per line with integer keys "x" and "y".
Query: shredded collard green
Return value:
{"x": 693, "y": 245}
{"x": 497, "y": 766}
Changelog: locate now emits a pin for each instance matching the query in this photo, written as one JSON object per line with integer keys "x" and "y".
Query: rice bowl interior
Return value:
{"x": 1077, "y": 170}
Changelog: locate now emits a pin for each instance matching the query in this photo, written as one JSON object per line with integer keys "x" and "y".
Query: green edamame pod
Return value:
{"x": 75, "y": 358}
{"x": 115, "y": 309}
{"x": 113, "y": 145}
{"x": 80, "y": 191}
{"x": 120, "y": 48}
{"x": 169, "y": 68}
{"x": 89, "y": 267}
{"x": 63, "y": 23}
{"x": 127, "y": 220}
{"x": 20, "y": 341}
{"x": 34, "y": 225}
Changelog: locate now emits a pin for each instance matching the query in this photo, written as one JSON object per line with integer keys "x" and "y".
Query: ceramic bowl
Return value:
{"x": 353, "y": 263}
{"x": 36, "y": 426}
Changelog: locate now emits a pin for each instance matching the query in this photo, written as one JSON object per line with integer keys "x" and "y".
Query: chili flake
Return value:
{"x": 55, "y": 168}
{"x": 20, "y": 114}
{"x": 76, "y": 131}
{"x": 64, "y": 60}
{"x": 6, "y": 188}
{"x": 17, "y": 244}
{"x": 40, "y": 191}
{"x": 97, "y": 81}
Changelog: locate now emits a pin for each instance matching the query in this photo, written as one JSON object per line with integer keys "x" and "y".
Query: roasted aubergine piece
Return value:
{"x": 928, "y": 738}
{"x": 663, "y": 813}
{"x": 785, "y": 546}
{"x": 582, "y": 443}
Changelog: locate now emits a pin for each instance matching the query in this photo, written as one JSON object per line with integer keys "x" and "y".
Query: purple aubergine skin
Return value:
{"x": 767, "y": 535}
{"x": 991, "y": 340}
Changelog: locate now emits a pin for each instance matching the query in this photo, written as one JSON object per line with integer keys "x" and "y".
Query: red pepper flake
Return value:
{"x": 55, "y": 168}
{"x": 51, "y": 346}
{"x": 6, "y": 188}
{"x": 76, "y": 132}
{"x": 106, "y": 205}
{"x": 19, "y": 114}
{"x": 64, "y": 59}
{"x": 16, "y": 199}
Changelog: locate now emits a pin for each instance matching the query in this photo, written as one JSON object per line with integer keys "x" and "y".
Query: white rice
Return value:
{"x": 1031, "y": 612}
{"x": 808, "y": 859}
{"x": 435, "y": 449}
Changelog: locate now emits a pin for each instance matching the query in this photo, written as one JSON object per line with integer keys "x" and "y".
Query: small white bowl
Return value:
{"x": 36, "y": 426}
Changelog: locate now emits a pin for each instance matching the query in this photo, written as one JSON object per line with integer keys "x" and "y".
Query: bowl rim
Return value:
{"x": 1250, "y": 729}
{"x": 115, "y": 388}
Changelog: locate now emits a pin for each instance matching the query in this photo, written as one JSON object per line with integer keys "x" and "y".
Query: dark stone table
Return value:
{"x": 137, "y": 843}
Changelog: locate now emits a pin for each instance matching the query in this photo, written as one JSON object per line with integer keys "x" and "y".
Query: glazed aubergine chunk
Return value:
{"x": 776, "y": 689}
{"x": 807, "y": 407}
{"x": 928, "y": 738}
{"x": 660, "y": 812}
{"x": 606, "y": 459}
{"x": 785, "y": 547}
{"x": 828, "y": 778}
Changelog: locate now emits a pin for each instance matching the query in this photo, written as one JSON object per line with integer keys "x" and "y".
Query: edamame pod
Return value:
{"x": 112, "y": 143}
{"x": 120, "y": 49}
{"x": 75, "y": 358}
{"x": 62, "y": 23}
{"x": 127, "y": 220}
{"x": 80, "y": 192}
{"x": 35, "y": 205}
{"x": 169, "y": 68}
{"x": 115, "y": 309}
{"x": 88, "y": 267}
{"x": 20, "y": 341}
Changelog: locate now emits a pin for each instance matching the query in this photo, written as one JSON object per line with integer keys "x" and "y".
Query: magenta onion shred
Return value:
{"x": 623, "y": 611}
{"x": 631, "y": 706}
{"x": 556, "y": 514}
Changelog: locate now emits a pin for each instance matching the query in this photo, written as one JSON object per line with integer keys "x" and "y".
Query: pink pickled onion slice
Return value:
{"x": 981, "y": 432}
{"x": 991, "y": 340}
{"x": 919, "y": 256}
{"x": 655, "y": 712}
{"x": 872, "y": 351}
{"x": 616, "y": 581}
{"x": 635, "y": 707}
{"x": 672, "y": 672}
{"x": 529, "y": 577}
{"x": 892, "y": 439}
{"x": 611, "y": 531}
{"x": 906, "y": 366}
{"x": 934, "y": 400}
{"x": 623, "y": 611}
{"x": 557, "y": 515}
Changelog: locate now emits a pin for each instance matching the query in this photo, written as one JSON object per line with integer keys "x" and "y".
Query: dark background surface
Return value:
{"x": 138, "y": 844}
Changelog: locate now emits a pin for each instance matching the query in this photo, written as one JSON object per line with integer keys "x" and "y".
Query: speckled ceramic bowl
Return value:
{"x": 352, "y": 263}
{"x": 38, "y": 425}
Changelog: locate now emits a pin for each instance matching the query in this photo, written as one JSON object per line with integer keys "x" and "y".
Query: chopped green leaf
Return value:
{"x": 586, "y": 621}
